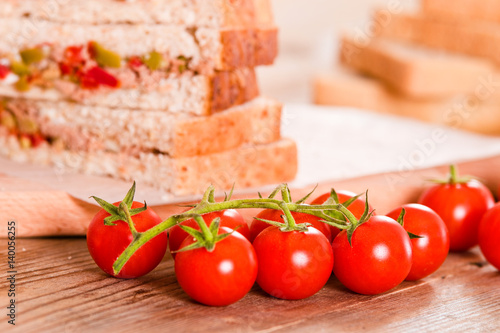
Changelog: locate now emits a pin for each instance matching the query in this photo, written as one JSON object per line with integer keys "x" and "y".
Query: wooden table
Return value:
{"x": 60, "y": 289}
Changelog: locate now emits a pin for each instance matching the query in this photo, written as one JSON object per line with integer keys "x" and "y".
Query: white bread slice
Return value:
{"x": 488, "y": 10}
{"x": 414, "y": 71}
{"x": 186, "y": 94}
{"x": 475, "y": 113}
{"x": 474, "y": 38}
{"x": 245, "y": 167}
{"x": 194, "y": 13}
{"x": 207, "y": 48}
{"x": 92, "y": 129}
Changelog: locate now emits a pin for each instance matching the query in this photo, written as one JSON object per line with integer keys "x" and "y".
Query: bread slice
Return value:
{"x": 199, "y": 13}
{"x": 481, "y": 39}
{"x": 186, "y": 94}
{"x": 91, "y": 129}
{"x": 476, "y": 113}
{"x": 207, "y": 49}
{"x": 488, "y": 10}
{"x": 412, "y": 70}
{"x": 245, "y": 167}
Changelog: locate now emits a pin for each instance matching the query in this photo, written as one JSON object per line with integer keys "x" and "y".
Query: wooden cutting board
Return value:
{"x": 42, "y": 211}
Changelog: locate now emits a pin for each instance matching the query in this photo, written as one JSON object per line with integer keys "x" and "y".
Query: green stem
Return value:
{"x": 453, "y": 174}
{"x": 204, "y": 229}
{"x": 290, "y": 221}
{"x": 123, "y": 207}
{"x": 205, "y": 207}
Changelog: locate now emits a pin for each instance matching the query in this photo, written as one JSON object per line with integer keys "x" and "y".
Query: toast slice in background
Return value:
{"x": 245, "y": 167}
{"x": 467, "y": 112}
{"x": 473, "y": 38}
{"x": 91, "y": 129}
{"x": 186, "y": 94}
{"x": 484, "y": 10}
{"x": 412, "y": 70}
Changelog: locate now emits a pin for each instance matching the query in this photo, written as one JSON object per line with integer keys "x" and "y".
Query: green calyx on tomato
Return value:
{"x": 352, "y": 221}
{"x": 123, "y": 212}
{"x": 206, "y": 237}
{"x": 453, "y": 177}
{"x": 400, "y": 220}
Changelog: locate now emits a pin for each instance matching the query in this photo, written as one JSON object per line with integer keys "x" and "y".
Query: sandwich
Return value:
{"x": 160, "y": 91}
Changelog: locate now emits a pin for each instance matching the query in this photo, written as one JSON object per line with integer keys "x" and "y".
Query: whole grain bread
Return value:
{"x": 245, "y": 167}
{"x": 412, "y": 70}
{"x": 207, "y": 49}
{"x": 91, "y": 129}
{"x": 193, "y": 13}
{"x": 187, "y": 94}
{"x": 474, "y": 38}
{"x": 476, "y": 112}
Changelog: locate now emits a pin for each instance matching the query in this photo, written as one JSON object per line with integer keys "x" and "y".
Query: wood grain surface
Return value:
{"x": 60, "y": 289}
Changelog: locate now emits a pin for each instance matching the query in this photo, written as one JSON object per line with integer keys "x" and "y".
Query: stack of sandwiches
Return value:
{"x": 438, "y": 65}
{"x": 160, "y": 91}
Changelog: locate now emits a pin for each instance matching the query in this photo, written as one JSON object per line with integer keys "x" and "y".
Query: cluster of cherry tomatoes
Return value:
{"x": 370, "y": 255}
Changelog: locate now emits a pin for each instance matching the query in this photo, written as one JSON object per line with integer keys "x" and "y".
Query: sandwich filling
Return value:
{"x": 79, "y": 71}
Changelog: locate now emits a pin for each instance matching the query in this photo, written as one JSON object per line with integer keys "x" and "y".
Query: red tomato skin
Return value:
{"x": 489, "y": 236}
{"x": 220, "y": 277}
{"x": 357, "y": 207}
{"x": 230, "y": 218}
{"x": 430, "y": 251}
{"x": 293, "y": 265}
{"x": 106, "y": 243}
{"x": 379, "y": 259}
{"x": 256, "y": 227}
{"x": 461, "y": 206}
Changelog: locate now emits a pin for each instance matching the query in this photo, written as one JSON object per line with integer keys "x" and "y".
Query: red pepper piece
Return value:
{"x": 4, "y": 71}
{"x": 135, "y": 62}
{"x": 36, "y": 140}
{"x": 97, "y": 76}
{"x": 73, "y": 55}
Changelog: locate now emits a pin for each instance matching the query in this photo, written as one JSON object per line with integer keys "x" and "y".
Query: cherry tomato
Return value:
{"x": 220, "y": 277}
{"x": 106, "y": 243}
{"x": 489, "y": 236}
{"x": 378, "y": 260}
{"x": 256, "y": 227}
{"x": 228, "y": 218}
{"x": 461, "y": 206}
{"x": 357, "y": 207}
{"x": 294, "y": 264}
{"x": 429, "y": 251}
